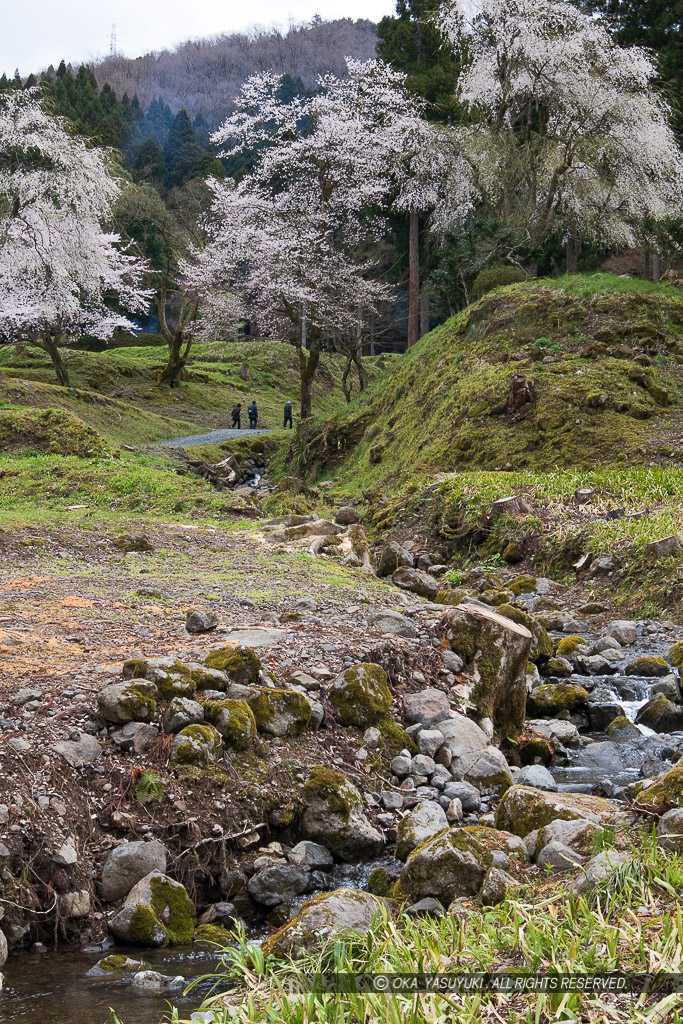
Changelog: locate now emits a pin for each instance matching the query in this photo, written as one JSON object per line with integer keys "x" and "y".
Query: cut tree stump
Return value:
{"x": 514, "y": 505}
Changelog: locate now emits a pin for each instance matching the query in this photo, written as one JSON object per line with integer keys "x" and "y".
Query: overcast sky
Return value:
{"x": 37, "y": 33}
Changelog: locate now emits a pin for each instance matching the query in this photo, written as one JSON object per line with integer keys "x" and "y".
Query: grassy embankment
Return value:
{"x": 603, "y": 358}
{"x": 59, "y": 447}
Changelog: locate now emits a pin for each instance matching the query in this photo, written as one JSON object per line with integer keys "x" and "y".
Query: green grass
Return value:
{"x": 632, "y": 923}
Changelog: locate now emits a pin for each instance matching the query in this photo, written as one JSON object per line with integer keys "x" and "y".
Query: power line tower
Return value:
{"x": 112, "y": 42}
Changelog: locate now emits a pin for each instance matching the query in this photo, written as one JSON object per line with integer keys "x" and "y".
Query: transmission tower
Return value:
{"x": 112, "y": 42}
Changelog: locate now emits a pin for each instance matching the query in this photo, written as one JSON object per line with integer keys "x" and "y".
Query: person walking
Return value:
{"x": 236, "y": 414}
{"x": 288, "y": 414}
{"x": 253, "y": 414}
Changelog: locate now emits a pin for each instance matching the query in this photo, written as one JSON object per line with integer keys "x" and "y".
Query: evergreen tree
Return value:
{"x": 149, "y": 164}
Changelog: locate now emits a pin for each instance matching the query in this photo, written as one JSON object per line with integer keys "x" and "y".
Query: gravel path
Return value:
{"x": 213, "y": 437}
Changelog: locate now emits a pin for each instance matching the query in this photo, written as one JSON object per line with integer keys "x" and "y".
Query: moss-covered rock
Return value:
{"x": 522, "y": 585}
{"x": 333, "y": 815}
{"x": 360, "y": 695}
{"x": 234, "y": 720}
{"x": 394, "y": 735}
{"x": 130, "y": 701}
{"x": 448, "y": 595}
{"x": 448, "y": 865}
{"x": 157, "y": 912}
{"x": 547, "y": 700}
{"x": 648, "y": 666}
{"x": 675, "y": 654}
{"x": 560, "y": 668}
{"x": 524, "y": 809}
{"x": 380, "y": 882}
{"x": 197, "y": 745}
{"x": 665, "y": 793}
{"x": 541, "y": 645}
{"x": 344, "y": 913}
{"x": 661, "y": 715}
{"x": 621, "y": 728}
{"x": 569, "y": 646}
{"x": 240, "y": 664}
{"x": 280, "y": 712}
{"x": 215, "y": 934}
{"x": 495, "y": 650}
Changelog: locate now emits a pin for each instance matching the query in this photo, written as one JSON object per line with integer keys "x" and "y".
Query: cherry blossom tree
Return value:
{"x": 293, "y": 241}
{"x": 60, "y": 270}
{"x": 570, "y": 139}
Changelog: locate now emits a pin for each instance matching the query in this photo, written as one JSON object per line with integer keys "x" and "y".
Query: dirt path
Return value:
{"x": 213, "y": 437}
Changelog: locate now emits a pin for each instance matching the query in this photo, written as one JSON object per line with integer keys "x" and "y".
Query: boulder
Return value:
{"x": 556, "y": 857}
{"x": 198, "y": 745}
{"x": 393, "y": 556}
{"x": 553, "y": 698}
{"x": 130, "y": 701}
{"x": 281, "y": 712}
{"x": 200, "y": 621}
{"x": 115, "y": 964}
{"x": 311, "y": 856}
{"x": 78, "y": 753}
{"x": 360, "y": 694}
{"x": 664, "y": 548}
{"x": 154, "y": 983}
{"x": 427, "y": 907}
{"x": 451, "y": 864}
{"x": 576, "y": 834}
{"x": 487, "y": 770}
{"x": 468, "y": 795}
{"x": 333, "y": 815}
{"x": 670, "y": 830}
{"x": 423, "y": 822}
{"x": 623, "y": 630}
{"x": 537, "y": 776}
{"x": 127, "y": 864}
{"x": 661, "y": 715}
{"x": 239, "y": 664}
{"x": 497, "y": 886}
{"x": 668, "y": 686}
{"x": 137, "y": 736}
{"x": 157, "y": 912}
{"x": 346, "y": 516}
{"x": 428, "y": 707}
{"x": 181, "y": 712}
{"x": 557, "y": 730}
{"x": 74, "y": 904}
{"x": 278, "y": 884}
{"x": 330, "y": 915}
{"x": 523, "y": 809}
{"x": 463, "y": 737}
{"x": 665, "y": 793}
{"x": 648, "y": 666}
{"x": 416, "y": 581}
{"x": 388, "y": 621}
{"x": 597, "y": 870}
{"x": 495, "y": 651}
{"x": 234, "y": 720}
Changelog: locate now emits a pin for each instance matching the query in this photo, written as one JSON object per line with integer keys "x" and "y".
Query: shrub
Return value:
{"x": 493, "y": 277}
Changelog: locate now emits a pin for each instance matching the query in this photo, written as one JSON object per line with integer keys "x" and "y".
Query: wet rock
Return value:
{"x": 670, "y": 830}
{"x": 621, "y": 728}
{"x": 601, "y": 715}
{"x": 649, "y": 667}
{"x": 523, "y": 809}
{"x": 153, "y": 983}
{"x": 416, "y": 582}
{"x": 423, "y": 822}
{"x": 181, "y": 712}
{"x": 558, "y": 668}
{"x": 597, "y": 870}
{"x": 333, "y": 814}
{"x": 623, "y": 630}
{"x": 668, "y": 687}
{"x": 661, "y": 715}
{"x": 556, "y": 857}
{"x": 389, "y": 621}
{"x": 392, "y": 557}
{"x": 310, "y": 856}
{"x": 428, "y": 707}
{"x": 200, "y": 621}
{"x": 451, "y": 864}
{"x": 495, "y": 651}
{"x": 78, "y": 753}
{"x": 279, "y": 883}
{"x": 322, "y": 918}
{"x": 497, "y": 887}
{"x": 127, "y": 864}
{"x": 157, "y": 912}
{"x": 115, "y": 965}
{"x": 538, "y": 776}
{"x": 130, "y": 701}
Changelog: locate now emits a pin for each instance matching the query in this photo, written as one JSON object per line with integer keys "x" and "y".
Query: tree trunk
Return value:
{"x": 656, "y": 266}
{"x": 346, "y": 387}
{"x": 414, "y": 279}
{"x": 362, "y": 375}
{"x": 646, "y": 265}
{"x": 571, "y": 254}
{"x": 174, "y": 371}
{"x": 308, "y": 364}
{"x": 50, "y": 346}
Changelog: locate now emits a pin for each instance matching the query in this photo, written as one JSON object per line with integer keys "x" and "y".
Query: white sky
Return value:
{"x": 37, "y": 33}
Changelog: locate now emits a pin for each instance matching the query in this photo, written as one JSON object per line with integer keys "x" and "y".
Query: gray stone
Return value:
{"x": 538, "y": 776}
{"x": 416, "y": 582}
{"x": 310, "y": 855}
{"x": 462, "y": 736}
{"x": 392, "y": 557}
{"x": 429, "y": 741}
{"x": 468, "y": 795}
{"x": 75, "y": 904}
{"x": 664, "y": 548}
{"x": 428, "y": 907}
{"x": 164, "y": 905}
{"x": 497, "y": 886}
{"x": 391, "y": 800}
{"x": 388, "y": 621}
{"x": 452, "y": 661}
{"x": 440, "y": 778}
{"x": 321, "y": 919}
{"x": 346, "y": 516}
{"x": 556, "y": 730}
{"x": 423, "y": 822}
{"x": 200, "y": 621}
{"x": 401, "y": 765}
{"x": 451, "y": 864}
{"x": 78, "y": 753}
{"x": 486, "y": 769}
{"x": 668, "y": 686}
{"x": 603, "y": 566}
{"x": 127, "y": 864}
{"x": 623, "y": 630}
{"x": 428, "y": 707}
{"x": 130, "y": 701}
{"x": 607, "y": 643}
{"x": 181, "y": 712}
{"x": 454, "y": 811}
{"x": 66, "y": 855}
{"x": 3, "y": 949}
{"x": 597, "y": 870}
{"x": 278, "y": 884}
{"x": 347, "y": 833}
{"x": 577, "y": 835}
{"x": 154, "y": 983}
{"x": 422, "y": 765}
{"x": 372, "y": 737}
{"x": 556, "y": 857}
{"x": 222, "y": 912}
{"x": 670, "y": 830}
